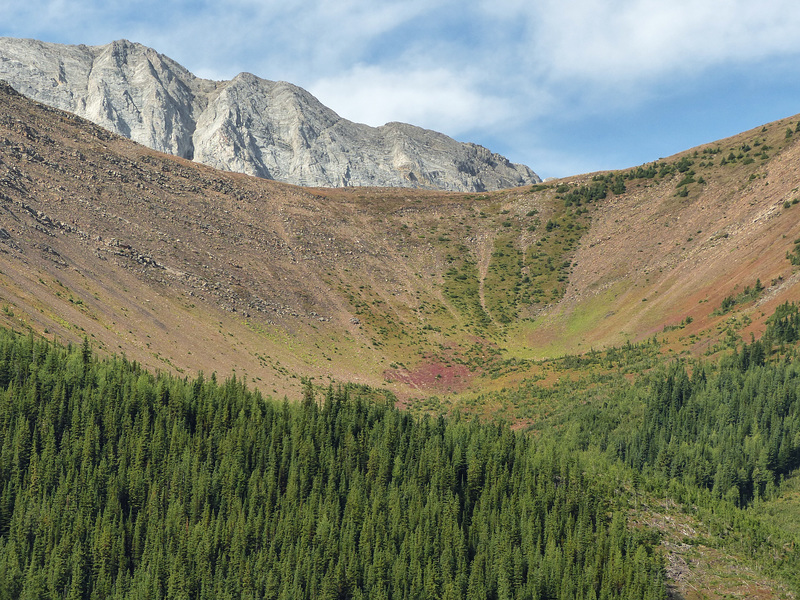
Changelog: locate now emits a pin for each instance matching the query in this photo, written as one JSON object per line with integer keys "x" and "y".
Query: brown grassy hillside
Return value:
{"x": 653, "y": 257}
{"x": 184, "y": 268}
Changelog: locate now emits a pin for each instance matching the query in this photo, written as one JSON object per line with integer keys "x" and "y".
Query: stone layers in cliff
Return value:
{"x": 269, "y": 129}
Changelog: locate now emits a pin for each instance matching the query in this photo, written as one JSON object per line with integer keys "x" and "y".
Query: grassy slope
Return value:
{"x": 185, "y": 268}
{"x": 653, "y": 258}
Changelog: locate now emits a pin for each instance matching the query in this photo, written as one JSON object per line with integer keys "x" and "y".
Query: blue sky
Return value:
{"x": 565, "y": 87}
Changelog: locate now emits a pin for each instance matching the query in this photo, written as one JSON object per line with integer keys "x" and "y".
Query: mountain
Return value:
{"x": 625, "y": 320}
{"x": 186, "y": 268}
{"x": 273, "y": 130}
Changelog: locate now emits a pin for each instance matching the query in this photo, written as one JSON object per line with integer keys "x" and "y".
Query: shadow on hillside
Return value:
{"x": 674, "y": 594}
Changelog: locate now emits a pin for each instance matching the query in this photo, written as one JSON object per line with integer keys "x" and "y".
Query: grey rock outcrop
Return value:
{"x": 270, "y": 129}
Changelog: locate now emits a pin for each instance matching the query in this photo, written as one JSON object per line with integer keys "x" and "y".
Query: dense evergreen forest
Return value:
{"x": 731, "y": 427}
{"x": 118, "y": 483}
{"x": 735, "y": 432}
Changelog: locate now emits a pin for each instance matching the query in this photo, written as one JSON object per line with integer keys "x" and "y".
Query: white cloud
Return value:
{"x": 282, "y": 40}
{"x": 435, "y": 98}
{"x": 546, "y": 40}
{"x": 642, "y": 40}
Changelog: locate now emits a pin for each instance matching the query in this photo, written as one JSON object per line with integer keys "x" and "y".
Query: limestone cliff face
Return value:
{"x": 250, "y": 125}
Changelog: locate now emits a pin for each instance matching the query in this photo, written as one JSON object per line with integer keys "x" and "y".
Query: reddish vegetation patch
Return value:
{"x": 434, "y": 376}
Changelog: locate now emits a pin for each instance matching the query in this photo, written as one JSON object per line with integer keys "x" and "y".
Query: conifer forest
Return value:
{"x": 119, "y": 483}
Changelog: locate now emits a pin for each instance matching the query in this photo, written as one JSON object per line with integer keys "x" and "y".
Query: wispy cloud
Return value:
{"x": 641, "y": 41}
{"x": 435, "y": 98}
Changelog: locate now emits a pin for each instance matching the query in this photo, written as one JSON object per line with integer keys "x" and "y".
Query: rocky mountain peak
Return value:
{"x": 269, "y": 129}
